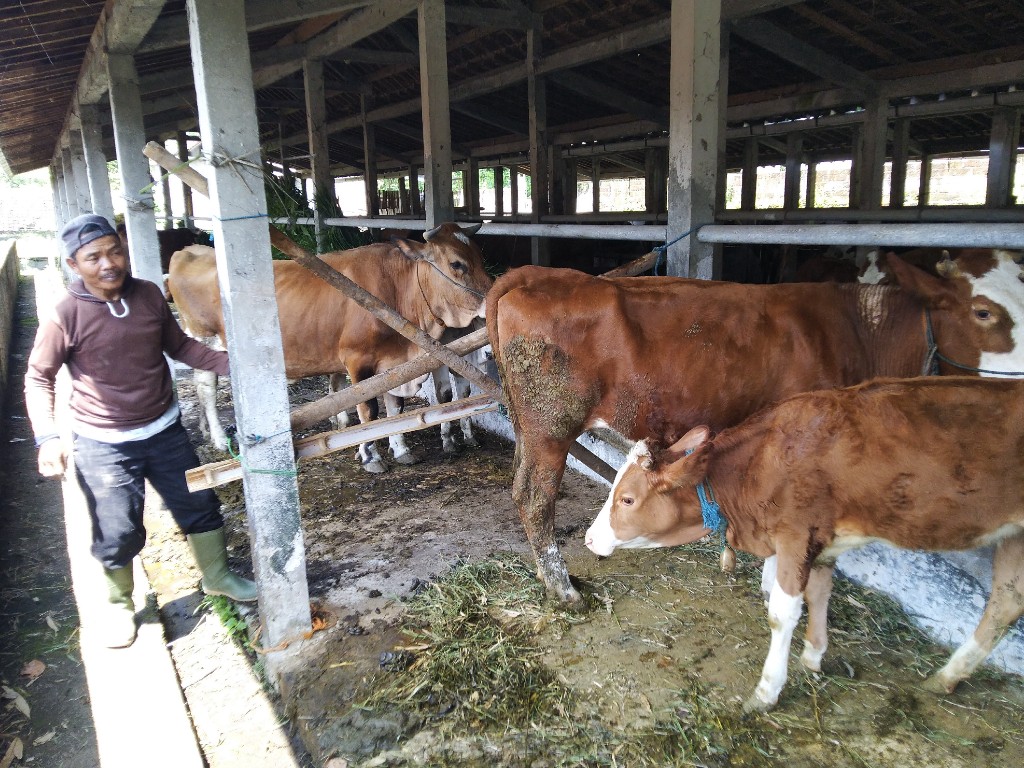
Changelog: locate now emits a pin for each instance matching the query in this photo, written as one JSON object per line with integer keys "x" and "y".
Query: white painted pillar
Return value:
{"x": 133, "y": 167}
{"x": 316, "y": 126}
{"x": 227, "y": 120}
{"x": 369, "y": 161}
{"x": 437, "y": 132}
{"x": 165, "y": 190}
{"x": 693, "y": 133}
{"x": 77, "y": 155}
{"x": 96, "y": 161}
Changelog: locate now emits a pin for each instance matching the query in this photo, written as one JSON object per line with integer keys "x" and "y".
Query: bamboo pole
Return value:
{"x": 221, "y": 472}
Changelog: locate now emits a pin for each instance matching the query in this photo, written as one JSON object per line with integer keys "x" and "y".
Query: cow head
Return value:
{"x": 652, "y": 502}
{"x": 451, "y": 272}
{"x": 979, "y": 299}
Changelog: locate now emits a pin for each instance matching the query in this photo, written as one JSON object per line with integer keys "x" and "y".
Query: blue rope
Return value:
{"x": 661, "y": 249}
{"x": 710, "y": 511}
{"x": 256, "y": 439}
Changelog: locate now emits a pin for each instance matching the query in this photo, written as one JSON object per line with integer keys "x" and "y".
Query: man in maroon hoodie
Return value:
{"x": 112, "y": 331}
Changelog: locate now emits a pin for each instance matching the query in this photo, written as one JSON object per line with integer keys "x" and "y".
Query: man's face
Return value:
{"x": 102, "y": 265}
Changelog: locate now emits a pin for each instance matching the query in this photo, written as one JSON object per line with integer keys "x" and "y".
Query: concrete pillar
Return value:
{"x": 437, "y": 132}
{"x": 227, "y": 119}
{"x": 81, "y": 173}
{"x": 536, "y": 86}
{"x": 70, "y": 188}
{"x": 1002, "y": 157}
{"x": 693, "y": 134}
{"x": 513, "y": 180}
{"x": 96, "y": 161}
{"x": 59, "y": 213}
{"x": 325, "y": 203}
{"x": 925, "y": 180}
{"x": 415, "y": 209}
{"x": 165, "y": 189}
{"x": 595, "y": 183}
{"x": 133, "y": 166}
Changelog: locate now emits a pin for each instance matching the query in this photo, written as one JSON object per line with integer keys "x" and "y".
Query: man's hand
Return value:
{"x": 53, "y": 458}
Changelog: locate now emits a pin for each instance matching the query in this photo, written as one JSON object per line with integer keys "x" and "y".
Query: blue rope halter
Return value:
{"x": 933, "y": 356}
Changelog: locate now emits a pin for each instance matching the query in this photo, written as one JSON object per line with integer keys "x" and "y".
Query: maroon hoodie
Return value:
{"x": 119, "y": 377}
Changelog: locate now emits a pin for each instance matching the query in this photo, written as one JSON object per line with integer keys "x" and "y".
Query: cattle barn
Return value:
{"x": 572, "y": 133}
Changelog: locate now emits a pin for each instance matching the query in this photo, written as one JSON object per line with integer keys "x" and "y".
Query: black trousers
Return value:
{"x": 112, "y": 476}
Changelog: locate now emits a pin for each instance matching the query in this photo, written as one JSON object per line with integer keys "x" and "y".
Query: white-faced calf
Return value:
{"x": 931, "y": 464}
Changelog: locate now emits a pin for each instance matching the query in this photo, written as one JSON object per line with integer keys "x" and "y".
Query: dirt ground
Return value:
{"x": 656, "y": 662}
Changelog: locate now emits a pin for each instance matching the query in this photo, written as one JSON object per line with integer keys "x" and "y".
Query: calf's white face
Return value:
{"x": 647, "y": 509}
{"x": 999, "y": 298}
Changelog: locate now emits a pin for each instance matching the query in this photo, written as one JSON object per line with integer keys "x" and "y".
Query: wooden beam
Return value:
{"x": 610, "y": 97}
{"x": 789, "y": 48}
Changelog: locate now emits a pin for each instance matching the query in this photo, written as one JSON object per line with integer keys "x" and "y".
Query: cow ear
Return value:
{"x": 691, "y": 440}
{"x": 412, "y": 250}
{"x": 932, "y": 291}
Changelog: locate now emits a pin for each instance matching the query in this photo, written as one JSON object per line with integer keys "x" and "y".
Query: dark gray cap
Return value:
{"x": 82, "y": 230}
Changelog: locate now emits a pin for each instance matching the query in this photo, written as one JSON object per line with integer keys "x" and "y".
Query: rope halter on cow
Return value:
{"x": 713, "y": 520}
{"x": 932, "y": 356}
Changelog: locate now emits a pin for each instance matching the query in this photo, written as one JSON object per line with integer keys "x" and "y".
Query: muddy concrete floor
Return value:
{"x": 659, "y": 628}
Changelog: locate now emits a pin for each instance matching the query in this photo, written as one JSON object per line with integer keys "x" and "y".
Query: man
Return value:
{"x": 112, "y": 331}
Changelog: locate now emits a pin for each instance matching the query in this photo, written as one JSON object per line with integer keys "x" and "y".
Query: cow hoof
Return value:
{"x": 470, "y": 442}
{"x": 756, "y": 706}
{"x": 407, "y": 458}
{"x": 935, "y": 684}
{"x": 450, "y": 447}
{"x": 376, "y": 466}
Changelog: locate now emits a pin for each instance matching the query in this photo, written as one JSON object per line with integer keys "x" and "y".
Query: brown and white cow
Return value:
{"x": 926, "y": 463}
{"x": 654, "y": 357}
{"x": 437, "y": 284}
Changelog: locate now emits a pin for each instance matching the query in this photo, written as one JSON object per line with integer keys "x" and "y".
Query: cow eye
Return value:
{"x": 982, "y": 314}
{"x": 458, "y": 266}
{"x": 626, "y": 501}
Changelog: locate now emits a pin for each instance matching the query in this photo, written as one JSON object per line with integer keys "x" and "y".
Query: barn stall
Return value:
{"x": 542, "y": 95}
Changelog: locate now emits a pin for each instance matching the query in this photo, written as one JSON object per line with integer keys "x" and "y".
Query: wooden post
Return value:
{"x": 748, "y": 188}
{"x": 186, "y": 190}
{"x": 900, "y": 155}
{"x": 1002, "y": 157}
{"x": 369, "y": 162}
{"x": 316, "y": 125}
{"x": 437, "y": 132}
{"x": 136, "y": 183}
{"x": 96, "y": 162}
{"x": 227, "y": 119}
{"x": 794, "y": 156}
{"x": 536, "y": 84}
{"x": 693, "y": 134}
{"x": 499, "y": 191}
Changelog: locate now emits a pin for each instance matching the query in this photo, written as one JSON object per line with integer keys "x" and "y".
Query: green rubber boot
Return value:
{"x": 212, "y": 559}
{"x": 118, "y": 630}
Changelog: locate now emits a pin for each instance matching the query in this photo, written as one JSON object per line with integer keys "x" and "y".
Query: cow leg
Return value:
{"x": 783, "y": 614}
{"x": 538, "y": 473}
{"x": 399, "y": 449}
{"x": 367, "y": 453}
{"x": 817, "y": 594}
{"x": 209, "y": 421}
{"x": 443, "y": 392}
{"x": 768, "y": 572}
{"x": 462, "y": 391}
{"x": 1005, "y": 605}
{"x": 336, "y": 383}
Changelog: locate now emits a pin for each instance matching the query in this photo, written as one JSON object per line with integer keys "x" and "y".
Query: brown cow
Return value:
{"x": 437, "y": 284}
{"x": 900, "y": 461}
{"x": 656, "y": 356}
